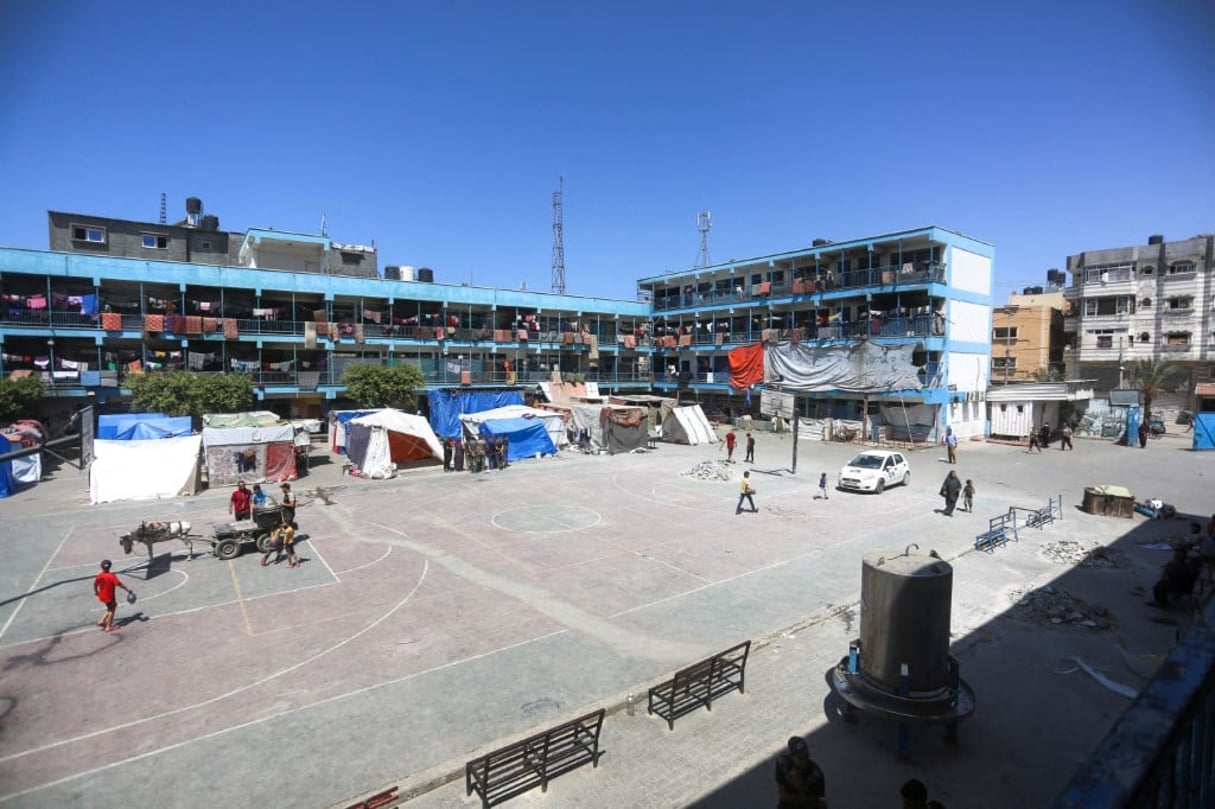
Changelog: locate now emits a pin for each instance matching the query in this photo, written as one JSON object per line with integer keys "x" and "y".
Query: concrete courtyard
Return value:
{"x": 439, "y": 615}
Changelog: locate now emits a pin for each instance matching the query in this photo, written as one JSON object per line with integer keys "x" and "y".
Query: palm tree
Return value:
{"x": 1151, "y": 376}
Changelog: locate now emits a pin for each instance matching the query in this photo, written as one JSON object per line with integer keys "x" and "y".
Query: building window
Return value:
{"x": 1107, "y": 273}
{"x": 1146, "y": 303}
{"x": 204, "y": 245}
{"x": 1145, "y": 337}
{"x": 88, "y": 233}
{"x": 1180, "y": 303}
{"x": 1181, "y": 267}
{"x": 351, "y": 258}
{"x": 154, "y": 241}
{"x": 1004, "y": 333}
{"x": 1177, "y": 338}
{"x": 1148, "y": 270}
{"x": 1120, "y": 305}
{"x": 1005, "y": 363}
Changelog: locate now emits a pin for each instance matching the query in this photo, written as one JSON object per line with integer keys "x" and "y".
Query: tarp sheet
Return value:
{"x": 860, "y": 367}
{"x": 153, "y": 428}
{"x": 554, "y": 422}
{"x": 377, "y": 442}
{"x": 8, "y": 481}
{"x": 109, "y": 426}
{"x": 687, "y": 425}
{"x": 251, "y": 454}
{"x": 253, "y": 418}
{"x": 338, "y": 422}
{"x": 143, "y": 470}
{"x": 746, "y": 365}
{"x": 446, "y": 407}
{"x": 24, "y": 434}
{"x": 525, "y": 437}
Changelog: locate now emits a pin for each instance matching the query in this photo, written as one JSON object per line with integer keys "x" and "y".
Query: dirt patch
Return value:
{"x": 1051, "y": 606}
{"x": 1072, "y": 553}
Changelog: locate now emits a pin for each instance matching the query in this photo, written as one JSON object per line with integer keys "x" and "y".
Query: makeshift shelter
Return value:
{"x": 8, "y": 480}
{"x": 554, "y": 422}
{"x": 614, "y": 428}
{"x": 143, "y": 469}
{"x": 379, "y": 441}
{"x": 338, "y": 422}
{"x": 262, "y": 454}
{"x": 447, "y": 407}
{"x": 686, "y": 425}
{"x": 526, "y": 437}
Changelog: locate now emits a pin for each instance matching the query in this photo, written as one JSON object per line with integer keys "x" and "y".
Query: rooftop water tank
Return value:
{"x": 194, "y": 205}
{"x": 1156, "y": 239}
{"x": 426, "y": 275}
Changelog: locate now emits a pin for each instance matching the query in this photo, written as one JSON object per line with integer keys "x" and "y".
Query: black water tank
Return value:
{"x": 1054, "y": 276}
{"x": 392, "y": 273}
{"x": 1155, "y": 238}
{"x": 1035, "y": 290}
{"x": 209, "y": 222}
{"x": 820, "y": 242}
{"x": 1027, "y": 290}
{"x": 193, "y": 205}
{"x": 426, "y": 275}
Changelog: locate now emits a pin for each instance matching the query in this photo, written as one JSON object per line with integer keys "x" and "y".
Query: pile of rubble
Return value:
{"x": 1070, "y": 552}
{"x": 710, "y": 470}
{"x": 1049, "y": 605}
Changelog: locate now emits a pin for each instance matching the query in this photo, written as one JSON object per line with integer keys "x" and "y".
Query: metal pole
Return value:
{"x": 796, "y": 417}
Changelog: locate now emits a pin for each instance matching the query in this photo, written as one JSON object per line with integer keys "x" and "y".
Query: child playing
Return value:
{"x": 822, "y": 487}
{"x": 968, "y": 495}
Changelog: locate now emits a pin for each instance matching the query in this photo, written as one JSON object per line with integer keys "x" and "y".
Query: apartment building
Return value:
{"x": 1027, "y": 337}
{"x": 927, "y": 290}
{"x": 1151, "y": 301}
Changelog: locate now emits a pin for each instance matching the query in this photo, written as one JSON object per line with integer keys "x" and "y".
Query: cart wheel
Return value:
{"x": 264, "y": 543}
{"x": 227, "y": 549}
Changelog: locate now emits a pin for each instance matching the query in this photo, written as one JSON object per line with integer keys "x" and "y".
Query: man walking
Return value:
{"x": 745, "y": 492}
{"x": 951, "y": 445}
{"x": 950, "y": 489}
{"x": 730, "y": 440}
{"x": 750, "y": 456}
{"x": 1143, "y": 433}
{"x": 103, "y": 587}
{"x": 1065, "y": 437}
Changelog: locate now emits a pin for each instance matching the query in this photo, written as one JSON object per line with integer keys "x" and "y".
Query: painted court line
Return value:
{"x": 367, "y": 564}
{"x": 37, "y": 581}
{"x": 240, "y": 599}
{"x": 317, "y": 551}
{"x": 257, "y": 684}
{"x": 215, "y": 733}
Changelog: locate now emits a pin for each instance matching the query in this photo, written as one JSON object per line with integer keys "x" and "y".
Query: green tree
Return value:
{"x": 180, "y": 393}
{"x": 21, "y": 398}
{"x": 1151, "y": 377}
{"x": 1045, "y": 374}
{"x": 380, "y": 386}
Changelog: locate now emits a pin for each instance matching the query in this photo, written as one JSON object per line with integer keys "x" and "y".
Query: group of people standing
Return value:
{"x": 732, "y": 441}
{"x": 800, "y": 782}
{"x": 479, "y": 454}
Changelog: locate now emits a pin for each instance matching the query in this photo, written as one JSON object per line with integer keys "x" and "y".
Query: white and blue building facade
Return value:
{"x": 929, "y": 286}
{"x": 293, "y": 310}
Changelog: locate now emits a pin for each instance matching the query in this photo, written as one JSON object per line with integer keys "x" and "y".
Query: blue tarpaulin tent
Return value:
{"x": 526, "y": 437}
{"x": 446, "y": 406}
{"x": 8, "y": 481}
{"x": 135, "y": 426}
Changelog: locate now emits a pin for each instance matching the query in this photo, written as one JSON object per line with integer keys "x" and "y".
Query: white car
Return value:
{"x": 873, "y": 470}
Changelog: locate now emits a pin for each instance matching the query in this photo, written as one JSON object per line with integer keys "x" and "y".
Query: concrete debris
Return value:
{"x": 1070, "y": 552}
{"x": 710, "y": 470}
{"x": 1049, "y": 606}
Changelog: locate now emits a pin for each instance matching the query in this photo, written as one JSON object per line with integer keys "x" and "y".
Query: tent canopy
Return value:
{"x": 252, "y": 454}
{"x": 447, "y": 407}
{"x": 526, "y": 437}
{"x": 554, "y": 422}
{"x": 142, "y": 470}
{"x": 377, "y": 442}
{"x": 687, "y": 425}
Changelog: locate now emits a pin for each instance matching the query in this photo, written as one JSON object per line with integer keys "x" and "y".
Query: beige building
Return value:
{"x": 1027, "y": 337}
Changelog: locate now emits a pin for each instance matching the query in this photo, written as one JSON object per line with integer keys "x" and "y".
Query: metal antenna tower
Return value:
{"x": 164, "y": 209}
{"x": 704, "y": 223}
{"x": 558, "y": 240}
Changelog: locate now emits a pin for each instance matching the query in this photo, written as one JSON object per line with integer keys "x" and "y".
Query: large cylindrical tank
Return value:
{"x": 407, "y": 273}
{"x": 426, "y": 275}
{"x": 905, "y": 611}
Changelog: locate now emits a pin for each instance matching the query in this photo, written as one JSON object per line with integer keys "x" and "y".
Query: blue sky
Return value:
{"x": 439, "y": 130}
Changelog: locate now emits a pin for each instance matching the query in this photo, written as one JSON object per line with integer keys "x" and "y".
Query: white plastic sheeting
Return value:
{"x": 864, "y": 367}
{"x": 376, "y": 442}
{"x": 687, "y": 425}
{"x": 143, "y": 470}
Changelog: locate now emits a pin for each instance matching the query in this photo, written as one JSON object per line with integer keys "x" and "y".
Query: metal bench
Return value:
{"x": 1000, "y": 529}
{"x": 699, "y": 684}
{"x": 512, "y": 770}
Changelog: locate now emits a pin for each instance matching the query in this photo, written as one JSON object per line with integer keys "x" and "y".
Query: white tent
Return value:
{"x": 143, "y": 470}
{"x": 687, "y": 425}
{"x": 378, "y": 441}
{"x": 554, "y": 423}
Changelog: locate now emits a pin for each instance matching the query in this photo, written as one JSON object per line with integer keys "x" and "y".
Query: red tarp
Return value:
{"x": 746, "y": 365}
